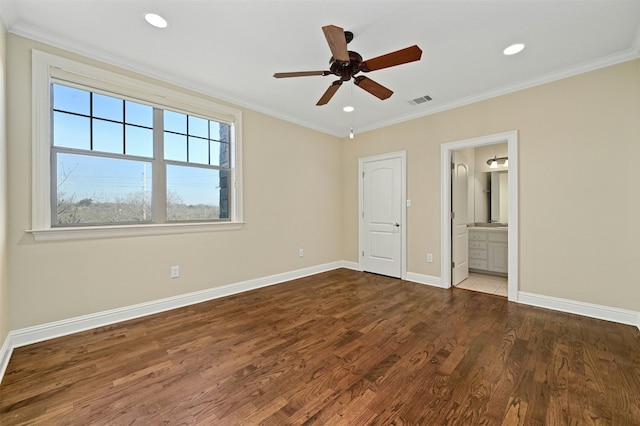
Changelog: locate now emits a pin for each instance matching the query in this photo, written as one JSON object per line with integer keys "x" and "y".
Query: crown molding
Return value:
{"x": 7, "y": 13}
{"x": 77, "y": 47}
{"x": 603, "y": 62}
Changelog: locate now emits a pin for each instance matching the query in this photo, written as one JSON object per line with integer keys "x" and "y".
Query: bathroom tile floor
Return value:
{"x": 485, "y": 284}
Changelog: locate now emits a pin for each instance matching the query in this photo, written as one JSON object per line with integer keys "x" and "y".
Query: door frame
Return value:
{"x": 403, "y": 191}
{"x": 511, "y": 138}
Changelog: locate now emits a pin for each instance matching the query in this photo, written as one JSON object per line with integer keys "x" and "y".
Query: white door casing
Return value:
{"x": 382, "y": 215}
{"x": 446, "y": 149}
{"x": 460, "y": 230}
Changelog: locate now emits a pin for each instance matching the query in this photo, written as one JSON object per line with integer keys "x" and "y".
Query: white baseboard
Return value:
{"x": 424, "y": 279}
{"x": 29, "y": 335}
{"x": 622, "y": 316}
{"x": 5, "y": 355}
{"x": 39, "y": 333}
{"x": 351, "y": 265}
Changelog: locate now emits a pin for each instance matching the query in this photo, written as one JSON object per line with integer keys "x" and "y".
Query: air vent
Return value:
{"x": 420, "y": 100}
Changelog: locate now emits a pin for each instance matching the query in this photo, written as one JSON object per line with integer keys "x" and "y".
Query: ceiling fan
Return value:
{"x": 346, "y": 64}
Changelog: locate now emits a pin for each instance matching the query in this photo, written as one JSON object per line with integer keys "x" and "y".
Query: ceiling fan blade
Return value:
{"x": 330, "y": 92}
{"x": 376, "y": 89}
{"x": 337, "y": 42}
{"x": 392, "y": 59}
{"x": 300, "y": 74}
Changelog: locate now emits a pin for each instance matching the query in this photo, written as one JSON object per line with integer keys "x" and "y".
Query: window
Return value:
{"x": 125, "y": 157}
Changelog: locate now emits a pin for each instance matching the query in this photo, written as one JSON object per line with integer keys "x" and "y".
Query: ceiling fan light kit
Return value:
{"x": 345, "y": 64}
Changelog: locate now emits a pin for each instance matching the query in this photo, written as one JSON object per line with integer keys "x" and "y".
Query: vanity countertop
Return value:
{"x": 490, "y": 228}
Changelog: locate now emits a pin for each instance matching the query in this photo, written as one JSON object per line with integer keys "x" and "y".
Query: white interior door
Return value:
{"x": 460, "y": 237}
{"x": 382, "y": 217}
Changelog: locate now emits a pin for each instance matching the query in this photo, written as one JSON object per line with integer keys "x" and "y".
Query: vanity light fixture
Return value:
{"x": 495, "y": 162}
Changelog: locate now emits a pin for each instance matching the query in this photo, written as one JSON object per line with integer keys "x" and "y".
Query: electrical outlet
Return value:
{"x": 429, "y": 257}
{"x": 301, "y": 252}
{"x": 175, "y": 271}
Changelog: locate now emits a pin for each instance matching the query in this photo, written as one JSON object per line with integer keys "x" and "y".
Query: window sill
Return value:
{"x": 120, "y": 231}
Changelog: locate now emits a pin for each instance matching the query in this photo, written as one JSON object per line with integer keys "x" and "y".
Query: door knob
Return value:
{"x": 397, "y": 225}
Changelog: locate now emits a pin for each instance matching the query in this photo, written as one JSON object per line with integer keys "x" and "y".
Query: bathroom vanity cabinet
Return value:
{"x": 488, "y": 250}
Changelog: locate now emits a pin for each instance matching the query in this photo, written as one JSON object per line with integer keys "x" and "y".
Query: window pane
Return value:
{"x": 108, "y": 137}
{"x": 139, "y": 141}
{"x": 198, "y": 127}
{"x": 219, "y": 131}
{"x": 175, "y": 122}
{"x": 98, "y": 190}
{"x": 198, "y": 151}
{"x": 139, "y": 114}
{"x": 107, "y": 107}
{"x": 195, "y": 193}
{"x": 70, "y": 99}
{"x": 219, "y": 154}
{"x": 175, "y": 147}
{"x": 71, "y": 131}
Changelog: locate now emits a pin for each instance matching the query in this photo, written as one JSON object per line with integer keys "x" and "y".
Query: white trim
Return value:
{"x": 36, "y": 34}
{"x": 403, "y": 225}
{"x": 511, "y": 138}
{"x": 585, "y": 309}
{"x": 595, "y": 64}
{"x": 46, "y": 66}
{"x": 76, "y": 46}
{"x": 39, "y": 333}
{"x": 93, "y": 232}
{"x": 424, "y": 279}
{"x": 29, "y": 335}
{"x": 5, "y": 354}
{"x": 351, "y": 265}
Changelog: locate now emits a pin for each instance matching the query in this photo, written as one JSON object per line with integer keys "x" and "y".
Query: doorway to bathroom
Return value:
{"x": 479, "y": 214}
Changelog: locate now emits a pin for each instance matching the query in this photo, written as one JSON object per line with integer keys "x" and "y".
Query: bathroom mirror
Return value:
{"x": 491, "y": 197}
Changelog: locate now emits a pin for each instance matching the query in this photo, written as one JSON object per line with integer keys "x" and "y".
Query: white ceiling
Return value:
{"x": 231, "y": 48}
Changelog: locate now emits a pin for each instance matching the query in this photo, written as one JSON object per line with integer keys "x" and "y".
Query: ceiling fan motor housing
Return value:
{"x": 347, "y": 70}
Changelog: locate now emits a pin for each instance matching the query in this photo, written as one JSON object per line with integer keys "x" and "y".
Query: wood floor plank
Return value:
{"x": 341, "y": 347}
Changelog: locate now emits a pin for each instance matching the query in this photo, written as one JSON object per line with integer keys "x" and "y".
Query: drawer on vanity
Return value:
{"x": 477, "y": 264}
{"x": 478, "y": 254}
{"x": 474, "y": 244}
{"x": 477, "y": 236}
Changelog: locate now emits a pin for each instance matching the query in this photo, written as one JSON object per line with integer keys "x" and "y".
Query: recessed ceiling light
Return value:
{"x": 155, "y": 20}
{"x": 348, "y": 108}
{"x": 513, "y": 49}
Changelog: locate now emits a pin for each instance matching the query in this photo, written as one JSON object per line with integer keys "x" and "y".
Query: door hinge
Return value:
{"x": 453, "y": 215}
{"x": 453, "y": 166}
{"x": 453, "y": 264}
{"x": 363, "y": 253}
{"x": 362, "y": 175}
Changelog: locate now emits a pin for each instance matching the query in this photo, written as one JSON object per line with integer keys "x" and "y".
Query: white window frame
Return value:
{"x": 46, "y": 66}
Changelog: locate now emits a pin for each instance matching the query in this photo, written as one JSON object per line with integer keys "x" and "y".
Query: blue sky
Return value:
{"x": 125, "y": 127}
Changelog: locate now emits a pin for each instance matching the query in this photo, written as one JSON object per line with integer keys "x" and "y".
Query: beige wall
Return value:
{"x": 579, "y": 142}
{"x": 4, "y": 280}
{"x": 579, "y": 139}
{"x": 292, "y": 187}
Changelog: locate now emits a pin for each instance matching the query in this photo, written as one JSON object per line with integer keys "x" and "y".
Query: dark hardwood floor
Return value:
{"x": 338, "y": 348}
